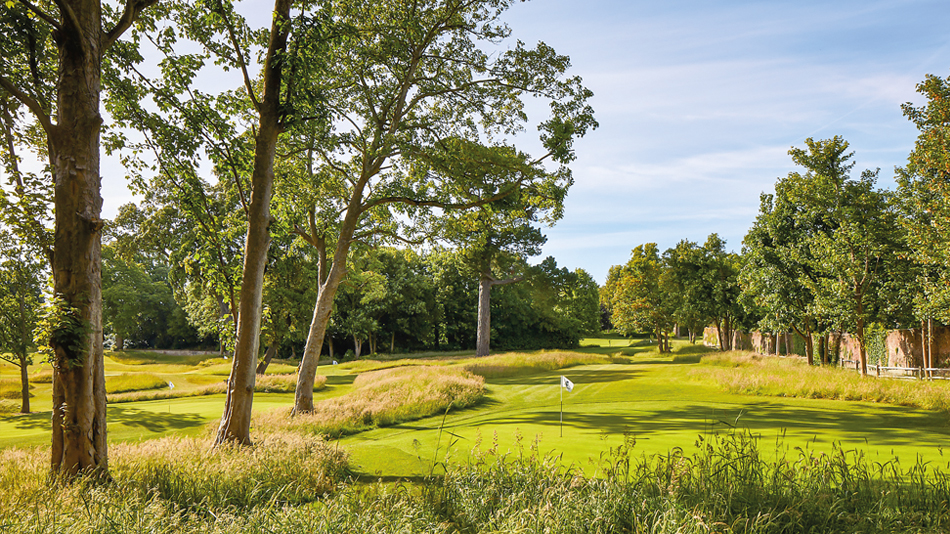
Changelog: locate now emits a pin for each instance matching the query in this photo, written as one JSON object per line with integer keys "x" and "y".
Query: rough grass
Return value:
{"x": 263, "y": 384}
{"x": 9, "y": 406}
{"x": 134, "y": 382}
{"x": 750, "y": 374}
{"x": 12, "y": 389}
{"x": 170, "y": 482}
{"x": 289, "y": 484}
{"x": 519, "y": 363}
{"x": 383, "y": 398}
{"x": 43, "y": 376}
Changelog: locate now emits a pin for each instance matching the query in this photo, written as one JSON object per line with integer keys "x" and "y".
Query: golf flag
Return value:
{"x": 567, "y": 384}
{"x": 171, "y": 386}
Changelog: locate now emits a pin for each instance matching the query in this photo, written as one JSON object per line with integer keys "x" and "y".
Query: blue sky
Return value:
{"x": 699, "y": 102}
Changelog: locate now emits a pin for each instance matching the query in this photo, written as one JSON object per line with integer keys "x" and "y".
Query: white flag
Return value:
{"x": 171, "y": 386}
{"x": 566, "y": 384}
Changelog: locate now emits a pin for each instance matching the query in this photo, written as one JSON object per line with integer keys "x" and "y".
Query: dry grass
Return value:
{"x": 134, "y": 382}
{"x": 11, "y": 389}
{"x": 519, "y": 363}
{"x": 263, "y": 384}
{"x": 9, "y": 406}
{"x": 43, "y": 376}
{"x": 185, "y": 473}
{"x": 751, "y": 374}
{"x": 383, "y": 398}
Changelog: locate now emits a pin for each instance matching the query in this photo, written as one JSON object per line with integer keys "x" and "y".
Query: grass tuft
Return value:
{"x": 384, "y": 398}
{"x": 134, "y": 382}
{"x": 751, "y": 374}
{"x": 519, "y": 363}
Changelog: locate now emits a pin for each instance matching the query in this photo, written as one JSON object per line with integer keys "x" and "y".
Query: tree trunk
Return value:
{"x": 484, "y": 316}
{"x": 79, "y": 396}
{"x": 862, "y": 350}
{"x": 24, "y": 385}
{"x": 823, "y": 348}
{"x": 357, "y": 346}
{"x": 392, "y": 344}
{"x": 119, "y": 343}
{"x": 330, "y": 345}
{"x": 930, "y": 347}
{"x": 268, "y": 356}
{"x": 236, "y": 421}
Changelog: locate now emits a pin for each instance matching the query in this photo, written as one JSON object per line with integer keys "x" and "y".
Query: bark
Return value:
{"x": 357, "y": 346}
{"x": 236, "y": 421}
{"x": 330, "y": 345}
{"x": 79, "y": 397}
{"x": 862, "y": 349}
{"x": 823, "y": 348}
{"x": 24, "y": 386}
{"x": 268, "y": 356}
{"x": 392, "y": 344}
{"x": 119, "y": 343}
{"x": 930, "y": 347}
{"x": 722, "y": 345}
{"x": 483, "y": 335}
{"x": 788, "y": 349}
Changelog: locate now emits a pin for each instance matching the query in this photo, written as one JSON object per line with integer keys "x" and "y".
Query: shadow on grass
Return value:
{"x": 884, "y": 426}
{"x": 340, "y": 380}
{"x": 153, "y": 421}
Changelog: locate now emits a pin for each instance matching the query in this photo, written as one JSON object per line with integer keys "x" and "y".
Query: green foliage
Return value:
{"x": 924, "y": 201}
{"x": 61, "y": 326}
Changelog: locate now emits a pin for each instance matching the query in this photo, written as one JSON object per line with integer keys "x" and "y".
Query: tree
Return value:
{"x": 852, "y": 258}
{"x": 61, "y": 90}
{"x": 924, "y": 200}
{"x": 418, "y": 115}
{"x": 20, "y": 300}
{"x": 639, "y": 300}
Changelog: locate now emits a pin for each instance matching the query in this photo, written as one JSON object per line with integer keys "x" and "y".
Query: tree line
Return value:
{"x": 828, "y": 252}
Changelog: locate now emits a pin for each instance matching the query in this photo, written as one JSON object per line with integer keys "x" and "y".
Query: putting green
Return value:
{"x": 654, "y": 401}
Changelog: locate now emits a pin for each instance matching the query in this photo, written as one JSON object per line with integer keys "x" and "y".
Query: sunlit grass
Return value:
{"x": 519, "y": 363}
{"x": 383, "y": 398}
{"x": 134, "y": 382}
{"x": 750, "y": 374}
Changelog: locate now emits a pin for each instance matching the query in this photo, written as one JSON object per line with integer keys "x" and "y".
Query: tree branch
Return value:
{"x": 439, "y": 204}
{"x": 31, "y": 103}
{"x": 133, "y": 8}
{"x": 41, "y": 14}
{"x": 240, "y": 57}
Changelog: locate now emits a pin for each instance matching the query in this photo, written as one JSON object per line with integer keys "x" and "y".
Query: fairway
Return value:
{"x": 663, "y": 404}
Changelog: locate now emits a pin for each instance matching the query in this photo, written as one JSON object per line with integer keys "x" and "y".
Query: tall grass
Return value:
{"x": 383, "y": 398}
{"x": 178, "y": 484}
{"x": 134, "y": 382}
{"x": 263, "y": 384}
{"x": 750, "y": 374}
{"x": 290, "y": 485}
{"x": 726, "y": 487}
{"x": 519, "y": 363}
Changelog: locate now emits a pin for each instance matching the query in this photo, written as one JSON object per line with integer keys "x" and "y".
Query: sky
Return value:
{"x": 699, "y": 102}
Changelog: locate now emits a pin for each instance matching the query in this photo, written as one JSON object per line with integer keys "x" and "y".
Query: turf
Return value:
{"x": 662, "y": 403}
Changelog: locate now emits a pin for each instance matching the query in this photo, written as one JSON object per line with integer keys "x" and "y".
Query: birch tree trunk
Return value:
{"x": 483, "y": 334}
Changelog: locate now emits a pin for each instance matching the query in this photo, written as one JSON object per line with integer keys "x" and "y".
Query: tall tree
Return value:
{"x": 418, "y": 116}
{"x": 853, "y": 258}
{"x": 64, "y": 100}
{"x": 924, "y": 199}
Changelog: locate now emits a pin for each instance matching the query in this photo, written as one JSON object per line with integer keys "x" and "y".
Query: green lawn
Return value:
{"x": 636, "y": 392}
